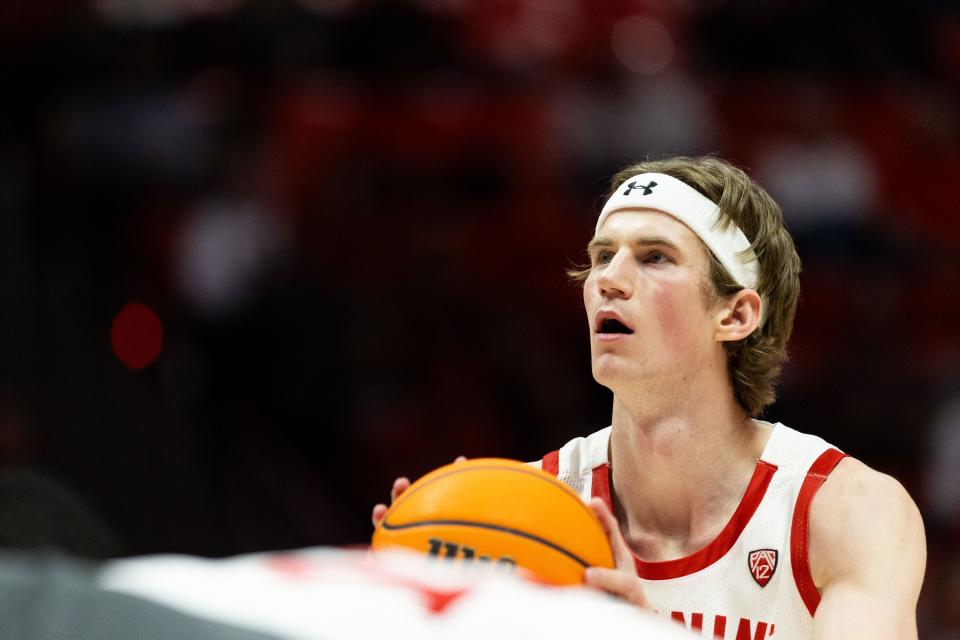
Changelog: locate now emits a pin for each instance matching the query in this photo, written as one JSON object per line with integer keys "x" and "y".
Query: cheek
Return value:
{"x": 672, "y": 310}
{"x": 589, "y": 297}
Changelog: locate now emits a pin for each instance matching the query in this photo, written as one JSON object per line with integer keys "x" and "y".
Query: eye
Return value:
{"x": 602, "y": 257}
{"x": 656, "y": 257}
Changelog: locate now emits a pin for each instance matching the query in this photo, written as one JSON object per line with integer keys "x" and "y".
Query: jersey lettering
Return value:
{"x": 746, "y": 629}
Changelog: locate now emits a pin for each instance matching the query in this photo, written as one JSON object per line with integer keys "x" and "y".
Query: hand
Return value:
{"x": 400, "y": 485}
{"x": 622, "y": 581}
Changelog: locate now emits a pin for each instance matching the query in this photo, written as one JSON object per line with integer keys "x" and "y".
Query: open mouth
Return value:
{"x": 612, "y": 325}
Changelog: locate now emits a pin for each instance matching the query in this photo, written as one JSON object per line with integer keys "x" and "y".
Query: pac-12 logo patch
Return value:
{"x": 763, "y": 562}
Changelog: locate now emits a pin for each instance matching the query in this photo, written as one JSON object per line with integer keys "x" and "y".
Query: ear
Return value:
{"x": 738, "y": 317}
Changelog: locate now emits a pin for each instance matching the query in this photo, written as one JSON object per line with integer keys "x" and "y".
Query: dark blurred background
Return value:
{"x": 345, "y": 223}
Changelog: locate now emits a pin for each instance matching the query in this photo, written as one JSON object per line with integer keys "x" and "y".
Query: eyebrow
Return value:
{"x": 649, "y": 241}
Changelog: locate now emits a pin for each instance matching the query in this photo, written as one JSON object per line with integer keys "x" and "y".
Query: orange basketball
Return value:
{"x": 491, "y": 510}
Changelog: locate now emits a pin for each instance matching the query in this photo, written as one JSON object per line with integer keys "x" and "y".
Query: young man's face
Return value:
{"x": 647, "y": 300}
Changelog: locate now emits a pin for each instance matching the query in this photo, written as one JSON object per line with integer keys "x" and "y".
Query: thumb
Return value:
{"x": 617, "y": 583}
{"x": 622, "y": 556}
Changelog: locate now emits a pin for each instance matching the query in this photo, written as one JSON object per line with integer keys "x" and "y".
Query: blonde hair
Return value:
{"x": 755, "y": 362}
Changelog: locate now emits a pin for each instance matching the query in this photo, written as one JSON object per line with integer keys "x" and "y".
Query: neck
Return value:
{"x": 680, "y": 468}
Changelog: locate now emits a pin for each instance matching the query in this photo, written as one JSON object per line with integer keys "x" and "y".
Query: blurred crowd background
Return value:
{"x": 352, "y": 221}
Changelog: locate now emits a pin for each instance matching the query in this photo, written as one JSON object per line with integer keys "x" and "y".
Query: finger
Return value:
{"x": 379, "y": 510}
{"x": 618, "y": 583}
{"x": 460, "y": 459}
{"x": 622, "y": 556}
{"x": 399, "y": 486}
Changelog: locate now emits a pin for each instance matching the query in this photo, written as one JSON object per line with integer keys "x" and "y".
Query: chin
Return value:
{"x": 614, "y": 372}
{"x": 609, "y": 374}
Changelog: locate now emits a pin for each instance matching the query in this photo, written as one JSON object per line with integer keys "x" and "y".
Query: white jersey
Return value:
{"x": 753, "y": 580}
{"x": 327, "y": 594}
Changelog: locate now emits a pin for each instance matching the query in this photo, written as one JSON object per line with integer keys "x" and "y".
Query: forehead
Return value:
{"x": 630, "y": 225}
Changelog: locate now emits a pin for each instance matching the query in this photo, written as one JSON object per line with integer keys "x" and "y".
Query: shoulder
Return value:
{"x": 865, "y": 527}
{"x": 579, "y": 455}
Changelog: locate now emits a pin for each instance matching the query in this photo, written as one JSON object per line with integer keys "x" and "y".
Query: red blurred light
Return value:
{"x": 136, "y": 335}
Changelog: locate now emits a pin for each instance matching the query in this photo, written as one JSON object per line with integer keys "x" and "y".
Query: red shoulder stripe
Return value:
{"x": 800, "y": 528}
{"x": 600, "y": 484}
{"x": 551, "y": 462}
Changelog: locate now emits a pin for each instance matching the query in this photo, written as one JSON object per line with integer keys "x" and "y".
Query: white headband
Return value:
{"x": 678, "y": 199}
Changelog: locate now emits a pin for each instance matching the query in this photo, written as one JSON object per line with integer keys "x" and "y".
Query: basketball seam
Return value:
{"x": 483, "y": 525}
{"x": 570, "y": 493}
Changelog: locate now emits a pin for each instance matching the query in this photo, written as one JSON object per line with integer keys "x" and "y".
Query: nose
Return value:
{"x": 614, "y": 280}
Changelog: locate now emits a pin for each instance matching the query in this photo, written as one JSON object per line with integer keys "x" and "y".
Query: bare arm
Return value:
{"x": 867, "y": 556}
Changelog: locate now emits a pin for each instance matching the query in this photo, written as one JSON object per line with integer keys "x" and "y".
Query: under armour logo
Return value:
{"x": 647, "y": 188}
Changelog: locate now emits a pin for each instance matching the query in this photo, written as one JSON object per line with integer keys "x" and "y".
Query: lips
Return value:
{"x": 609, "y": 322}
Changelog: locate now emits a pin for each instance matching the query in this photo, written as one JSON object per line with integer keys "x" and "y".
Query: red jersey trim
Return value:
{"x": 600, "y": 484}
{"x": 762, "y": 475}
{"x": 551, "y": 462}
{"x": 800, "y": 527}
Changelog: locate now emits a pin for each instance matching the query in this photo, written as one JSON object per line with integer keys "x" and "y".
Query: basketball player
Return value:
{"x": 734, "y": 526}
